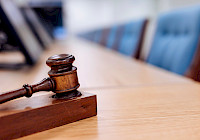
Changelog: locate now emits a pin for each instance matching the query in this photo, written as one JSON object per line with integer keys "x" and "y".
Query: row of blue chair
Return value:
{"x": 126, "y": 38}
{"x": 175, "y": 46}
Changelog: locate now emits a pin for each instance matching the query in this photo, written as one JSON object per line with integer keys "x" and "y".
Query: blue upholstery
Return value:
{"x": 112, "y": 37}
{"x": 94, "y": 36}
{"x": 87, "y": 35}
{"x": 176, "y": 40}
{"x": 131, "y": 37}
{"x": 90, "y": 35}
{"x": 97, "y": 36}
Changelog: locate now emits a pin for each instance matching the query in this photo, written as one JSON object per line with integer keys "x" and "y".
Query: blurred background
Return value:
{"x": 154, "y": 31}
{"x": 86, "y": 15}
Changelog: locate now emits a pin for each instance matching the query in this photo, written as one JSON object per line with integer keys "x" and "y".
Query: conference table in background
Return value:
{"x": 135, "y": 100}
{"x": 98, "y": 67}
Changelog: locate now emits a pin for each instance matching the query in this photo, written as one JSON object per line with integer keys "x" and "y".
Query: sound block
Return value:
{"x": 26, "y": 116}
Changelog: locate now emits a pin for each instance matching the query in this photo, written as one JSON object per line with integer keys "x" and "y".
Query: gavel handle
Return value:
{"x": 46, "y": 84}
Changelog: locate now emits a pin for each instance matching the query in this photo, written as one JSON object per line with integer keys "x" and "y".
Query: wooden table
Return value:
{"x": 135, "y": 100}
{"x": 97, "y": 68}
{"x": 143, "y": 112}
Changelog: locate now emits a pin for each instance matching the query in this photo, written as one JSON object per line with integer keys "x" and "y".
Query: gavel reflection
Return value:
{"x": 62, "y": 80}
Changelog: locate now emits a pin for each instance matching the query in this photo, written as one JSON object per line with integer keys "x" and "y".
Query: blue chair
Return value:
{"x": 132, "y": 38}
{"x": 104, "y": 36}
{"x": 115, "y": 36}
{"x": 87, "y": 35}
{"x": 97, "y": 36}
{"x": 176, "y": 40}
{"x": 111, "y": 37}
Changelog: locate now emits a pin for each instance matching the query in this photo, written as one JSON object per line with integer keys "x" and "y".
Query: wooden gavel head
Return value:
{"x": 62, "y": 80}
{"x": 63, "y": 73}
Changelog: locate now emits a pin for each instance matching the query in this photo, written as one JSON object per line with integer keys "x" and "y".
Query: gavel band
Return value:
{"x": 63, "y": 79}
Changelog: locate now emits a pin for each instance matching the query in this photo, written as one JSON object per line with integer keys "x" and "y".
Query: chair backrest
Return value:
{"x": 132, "y": 38}
{"x": 88, "y": 35}
{"x": 176, "y": 40}
{"x": 104, "y": 36}
{"x": 97, "y": 35}
{"x": 112, "y": 36}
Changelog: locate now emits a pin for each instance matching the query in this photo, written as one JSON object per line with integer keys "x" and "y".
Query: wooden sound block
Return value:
{"x": 30, "y": 115}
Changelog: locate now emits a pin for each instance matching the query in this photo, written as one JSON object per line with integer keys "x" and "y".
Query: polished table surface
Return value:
{"x": 143, "y": 112}
{"x": 135, "y": 100}
{"x": 98, "y": 67}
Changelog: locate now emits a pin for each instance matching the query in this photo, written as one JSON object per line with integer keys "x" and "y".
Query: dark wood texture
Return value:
{"x": 45, "y": 85}
{"x": 194, "y": 70}
{"x": 26, "y": 116}
{"x": 141, "y": 40}
{"x": 63, "y": 73}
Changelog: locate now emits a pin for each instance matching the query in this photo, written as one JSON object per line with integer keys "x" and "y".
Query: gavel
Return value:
{"x": 62, "y": 80}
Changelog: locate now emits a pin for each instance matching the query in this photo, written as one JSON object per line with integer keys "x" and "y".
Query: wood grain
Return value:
{"x": 97, "y": 68}
{"x": 46, "y": 84}
{"x": 26, "y": 116}
{"x": 150, "y": 112}
{"x": 135, "y": 100}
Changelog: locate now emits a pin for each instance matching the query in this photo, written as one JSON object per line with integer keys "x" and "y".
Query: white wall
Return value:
{"x": 89, "y": 14}
{"x": 166, "y": 5}
{"x": 84, "y": 15}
